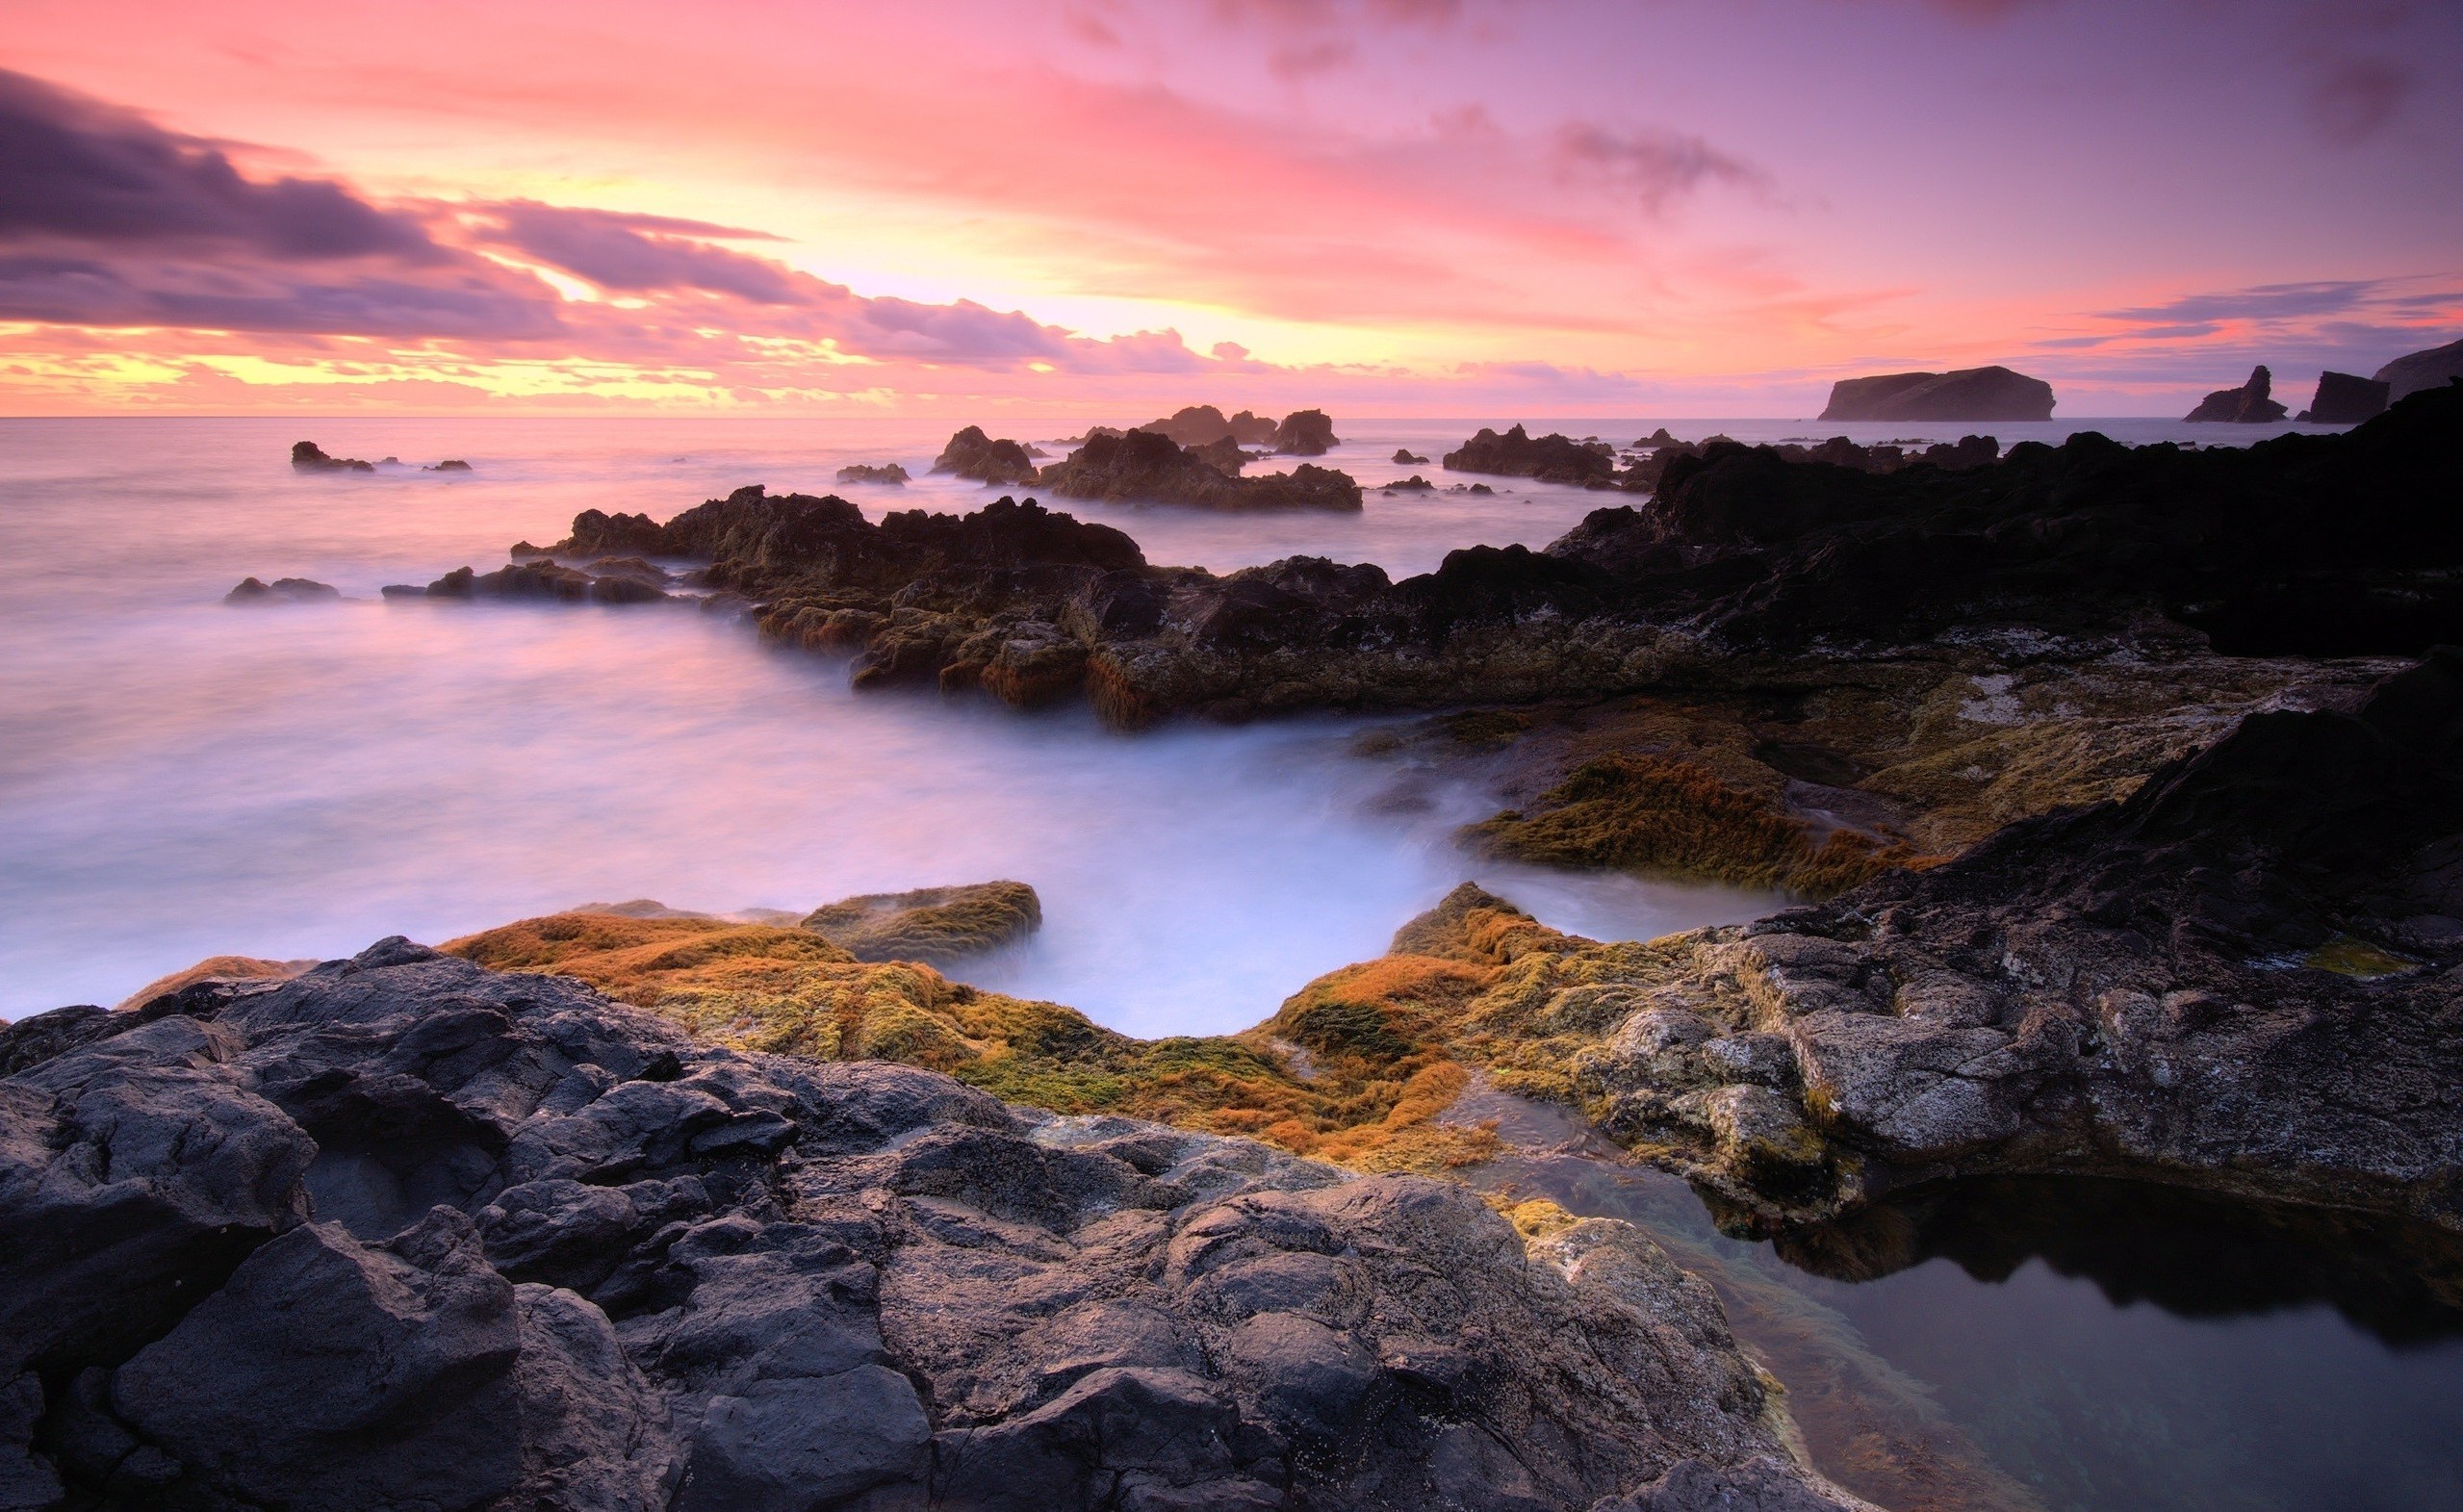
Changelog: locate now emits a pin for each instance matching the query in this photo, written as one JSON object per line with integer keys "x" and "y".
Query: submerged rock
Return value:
{"x": 282, "y": 590}
{"x": 1968, "y": 394}
{"x": 937, "y": 925}
{"x": 2344, "y": 399}
{"x": 2252, "y": 403}
{"x": 2434, "y": 369}
{"x": 402, "y": 1231}
{"x": 972, "y": 454}
{"x": 866, "y": 473}
{"x": 1516, "y": 453}
{"x": 309, "y": 457}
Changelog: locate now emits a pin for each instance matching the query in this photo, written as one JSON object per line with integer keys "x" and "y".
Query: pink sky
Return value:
{"x": 1432, "y": 207}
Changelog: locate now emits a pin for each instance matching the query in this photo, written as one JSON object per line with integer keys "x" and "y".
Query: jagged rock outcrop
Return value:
{"x": 972, "y": 454}
{"x": 1968, "y": 394}
{"x": 2344, "y": 399}
{"x": 282, "y": 590}
{"x": 891, "y": 473}
{"x": 309, "y": 457}
{"x": 405, "y": 1232}
{"x": 2252, "y": 403}
{"x": 1146, "y": 466}
{"x": 1517, "y": 453}
{"x": 936, "y": 925}
{"x": 2434, "y": 369}
{"x": 2247, "y": 977}
{"x": 1306, "y": 433}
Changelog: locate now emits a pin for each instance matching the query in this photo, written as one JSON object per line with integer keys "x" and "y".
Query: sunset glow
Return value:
{"x": 1436, "y": 207}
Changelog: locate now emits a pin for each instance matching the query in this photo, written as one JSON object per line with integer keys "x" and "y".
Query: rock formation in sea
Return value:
{"x": 1414, "y": 484}
{"x": 603, "y": 581}
{"x": 1144, "y": 466}
{"x": 1969, "y": 394}
{"x": 936, "y": 925}
{"x": 867, "y": 472}
{"x": 282, "y": 590}
{"x": 2252, "y": 403}
{"x": 972, "y": 454}
{"x": 1306, "y": 433}
{"x": 1517, "y": 453}
{"x": 404, "y": 1231}
{"x": 2344, "y": 399}
{"x": 1253, "y": 430}
{"x": 449, "y": 465}
{"x": 2434, "y": 369}
{"x": 1403, "y": 456}
{"x": 309, "y": 457}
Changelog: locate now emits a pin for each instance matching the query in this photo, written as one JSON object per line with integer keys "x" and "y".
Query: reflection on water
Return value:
{"x": 2075, "y": 1345}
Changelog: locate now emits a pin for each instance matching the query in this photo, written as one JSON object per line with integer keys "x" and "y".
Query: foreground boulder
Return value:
{"x": 2252, "y": 403}
{"x": 405, "y": 1232}
{"x": 1967, "y": 393}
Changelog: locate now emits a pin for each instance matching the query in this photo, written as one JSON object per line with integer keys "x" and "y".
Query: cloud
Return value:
{"x": 76, "y": 169}
{"x": 2261, "y": 302}
{"x": 1651, "y": 167}
{"x": 2354, "y": 98}
{"x": 639, "y": 254}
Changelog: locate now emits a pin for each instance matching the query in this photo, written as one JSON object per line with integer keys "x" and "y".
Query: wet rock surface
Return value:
{"x": 405, "y": 1232}
{"x": 1969, "y": 394}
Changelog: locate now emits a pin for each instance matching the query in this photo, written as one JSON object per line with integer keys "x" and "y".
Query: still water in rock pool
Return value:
{"x": 180, "y": 779}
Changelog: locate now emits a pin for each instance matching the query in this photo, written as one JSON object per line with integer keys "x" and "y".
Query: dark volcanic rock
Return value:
{"x": 309, "y": 457}
{"x": 1968, "y": 394}
{"x": 2248, "y": 977}
{"x": 1405, "y": 457}
{"x": 2434, "y": 369}
{"x": 1551, "y": 459}
{"x": 404, "y": 1232}
{"x": 539, "y": 579}
{"x": 1414, "y": 484}
{"x": 1306, "y": 433}
{"x": 2344, "y": 399}
{"x": 1144, "y": 465}
{"x": 282, "y": 590}
{"x": 866, "y": 473}
{"x": 972, "y": 454}
{"x": 2252, "y": 403}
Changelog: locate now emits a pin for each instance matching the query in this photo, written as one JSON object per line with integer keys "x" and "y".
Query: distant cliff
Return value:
{"x": 2432, "y": 369}
{"x": 1969, "y": 394}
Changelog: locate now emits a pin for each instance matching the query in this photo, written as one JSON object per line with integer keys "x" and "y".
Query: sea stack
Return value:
{"x": 2252, "y": 403}
{"x": 1968, "y": 394}
{"x": 2344, "y": 399}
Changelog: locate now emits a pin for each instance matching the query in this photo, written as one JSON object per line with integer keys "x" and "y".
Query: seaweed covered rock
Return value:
{"x": 973, "y": 454}
{"x": 1147, "y": 466}
{"x": 2252, "y": 403}
{"x": 1517, "y": 453}
{"x": 937, "y": 925}
{"x": 403, "y": 1231}
{"x": 1968, "y": 394}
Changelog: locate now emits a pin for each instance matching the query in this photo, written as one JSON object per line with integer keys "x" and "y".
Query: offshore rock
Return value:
{"x": 1306, "y": 433}
{"x": 2344, "y": 399}
{"x": 406, "y": 1231}
{"x": 2434, "y": 369}
{"x": 936, "y": 925}
{"x": 972, "y": 454}
{"x": 1404, "y": 456}
{"x": 309, "y": 457}
{"x": 627, "y": 581}
{"x": 282, "y": 590}
{"x": 1144, "y": 465}
{"x": 2252, "y": 403}
{"x": 1550, "y": 459}
{"x": 866, "y": 473}
{"x": 1969, "y": 394}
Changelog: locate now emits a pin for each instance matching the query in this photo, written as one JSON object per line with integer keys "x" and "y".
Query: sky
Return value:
{"x": 1105, "y": 207}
